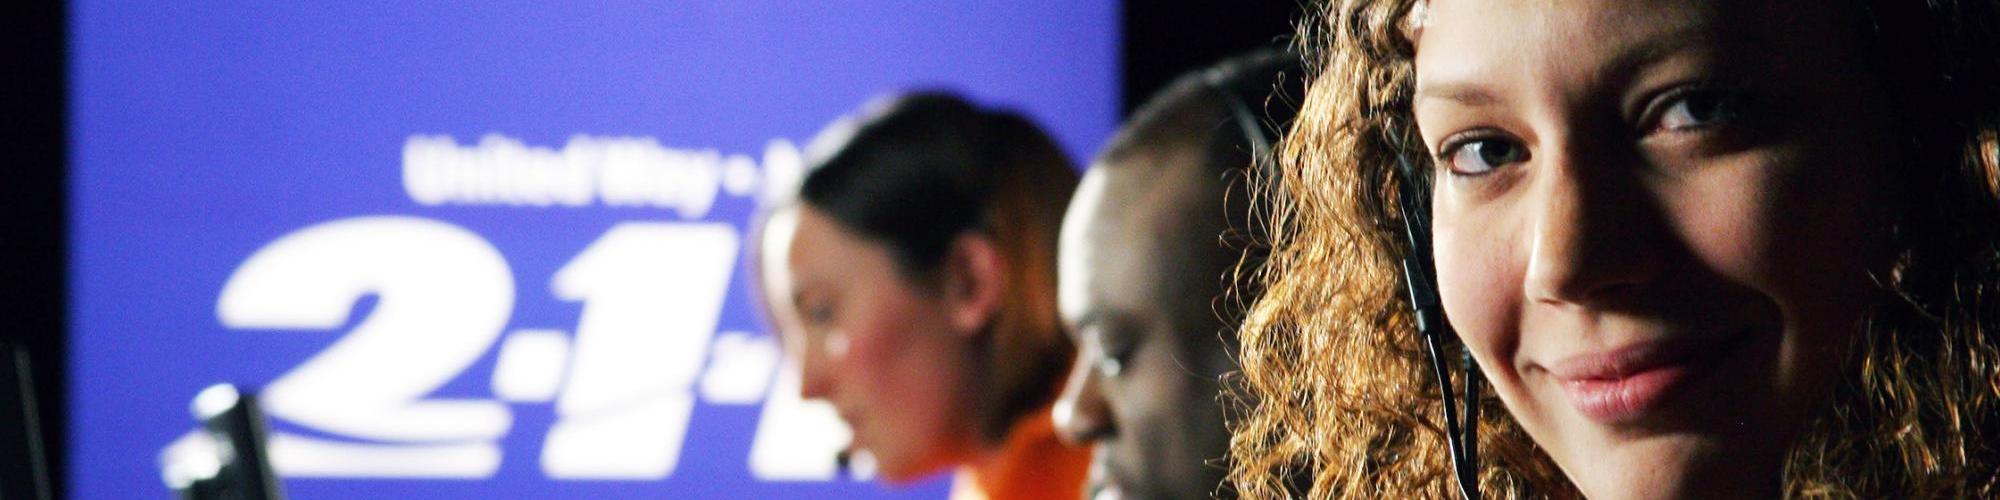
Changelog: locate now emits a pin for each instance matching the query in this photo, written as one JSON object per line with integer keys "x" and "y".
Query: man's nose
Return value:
{"x": 1081, "y": 414}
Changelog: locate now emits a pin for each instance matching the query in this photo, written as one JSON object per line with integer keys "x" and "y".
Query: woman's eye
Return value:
{"x": 817, "y": 314}
{"x": 1695, "y": 110}
{"x": 1479, "y": 156}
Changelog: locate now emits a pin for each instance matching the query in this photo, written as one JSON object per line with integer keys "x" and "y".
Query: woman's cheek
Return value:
{"x": 1725, "y": 215}
{"x": 866, "y": 354}
{"x": 1478, "y": 282}
{"x": 1482, "y": 266}
{"x": 894, "y": 360}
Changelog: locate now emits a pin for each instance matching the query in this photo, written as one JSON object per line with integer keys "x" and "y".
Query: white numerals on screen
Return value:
{"x": 652, "y": 294}
{"x": 624, "y": 385}
{"x": 443, "y": 294}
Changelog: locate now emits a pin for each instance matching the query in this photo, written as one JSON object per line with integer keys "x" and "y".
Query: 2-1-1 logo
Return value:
{"x": 624, "y": 385}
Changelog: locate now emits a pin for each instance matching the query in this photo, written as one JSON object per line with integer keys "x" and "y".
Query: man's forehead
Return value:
{"x": 1076, "y": 246}
{"x": 1131, "y": 229}
{"x": 1137, "y": 212}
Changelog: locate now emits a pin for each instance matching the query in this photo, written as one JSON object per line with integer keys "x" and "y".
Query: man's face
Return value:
{"x": 1141, "y": 270}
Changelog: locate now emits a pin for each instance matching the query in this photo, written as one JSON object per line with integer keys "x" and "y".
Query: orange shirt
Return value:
{"x": 1031, "y": 465}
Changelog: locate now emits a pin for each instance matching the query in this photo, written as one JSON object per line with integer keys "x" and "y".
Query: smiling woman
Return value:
{"x": 1697, "y": 248}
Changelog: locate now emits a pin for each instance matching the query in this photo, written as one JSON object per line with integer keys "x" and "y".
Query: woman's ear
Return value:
{"x": 975, "y": 282}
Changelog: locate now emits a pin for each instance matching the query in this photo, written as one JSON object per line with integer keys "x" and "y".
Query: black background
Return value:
{"x": 1161, "y": 39}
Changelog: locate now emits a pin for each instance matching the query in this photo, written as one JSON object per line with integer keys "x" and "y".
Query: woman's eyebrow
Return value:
{"x": 1464, "y": 93}
{"x": 1650, "y": 50}
{"x": 1626, "y": 62}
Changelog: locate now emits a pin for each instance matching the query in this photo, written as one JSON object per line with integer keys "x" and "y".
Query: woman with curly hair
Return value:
{"x": 1696, "y": 248}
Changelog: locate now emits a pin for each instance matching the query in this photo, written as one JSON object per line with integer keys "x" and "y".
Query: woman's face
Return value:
{"x": 878, "y": 347}
{"x": 1655, "y": 222}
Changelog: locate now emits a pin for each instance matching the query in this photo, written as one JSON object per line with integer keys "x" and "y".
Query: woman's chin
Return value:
{"x": 897, "y": 472}
{"x": 1675, "y": 466}
{"x": 894, "y": 467}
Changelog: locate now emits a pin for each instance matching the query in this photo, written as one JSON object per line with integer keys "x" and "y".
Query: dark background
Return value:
{"x": 32, "y": 195}
{"x": 1166, "y": 38}
{"x": 1162, "y": 39}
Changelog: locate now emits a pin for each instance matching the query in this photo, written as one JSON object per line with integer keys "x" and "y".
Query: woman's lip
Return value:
{"x": 1626, "y": 399}
{"x": 1625, "y": 384}
{"x": 1621, "y": 362}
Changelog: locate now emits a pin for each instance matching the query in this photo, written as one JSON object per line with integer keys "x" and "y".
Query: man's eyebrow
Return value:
{"x": 1099, "y": 318}
{"x": 1090, "y": 317}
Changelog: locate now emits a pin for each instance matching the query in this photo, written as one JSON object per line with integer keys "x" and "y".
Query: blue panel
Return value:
{"x": 255, "y": 183}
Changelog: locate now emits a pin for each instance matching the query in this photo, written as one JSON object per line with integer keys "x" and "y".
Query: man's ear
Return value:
{"x": 975, "y": 282}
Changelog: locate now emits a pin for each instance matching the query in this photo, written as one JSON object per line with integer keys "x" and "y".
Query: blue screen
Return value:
{"x": 490, "y": 250}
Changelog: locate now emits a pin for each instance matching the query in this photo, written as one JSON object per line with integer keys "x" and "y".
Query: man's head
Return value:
{"x": 1146, "y": 259}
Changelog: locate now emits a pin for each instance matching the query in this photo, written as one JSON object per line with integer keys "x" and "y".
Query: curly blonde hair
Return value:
{"x": 1335, "y": 388}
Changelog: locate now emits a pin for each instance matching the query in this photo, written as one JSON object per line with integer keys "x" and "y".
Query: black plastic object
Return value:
{"x": 236, "y": 466}
{"x": 24, "y": 468}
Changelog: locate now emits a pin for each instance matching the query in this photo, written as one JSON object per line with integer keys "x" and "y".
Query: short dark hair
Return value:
{"x": 1262, "y": 86}
{"x": 1259, "y": 92}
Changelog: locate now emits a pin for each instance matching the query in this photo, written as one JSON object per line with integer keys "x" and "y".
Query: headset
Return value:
{"x": 1461, "y": 434}
{"x": 1461, "y": 423}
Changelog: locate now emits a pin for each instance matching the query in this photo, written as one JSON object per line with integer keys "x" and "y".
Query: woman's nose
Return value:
{"x": 1081, "y": 414}
{"x": 1595, "y": 230}
{"x": 815, "y": 371}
